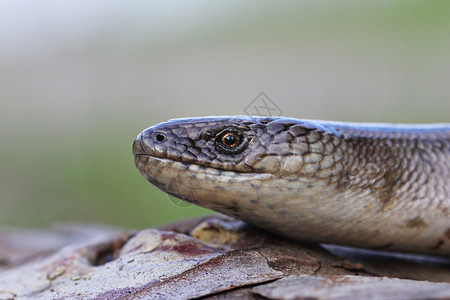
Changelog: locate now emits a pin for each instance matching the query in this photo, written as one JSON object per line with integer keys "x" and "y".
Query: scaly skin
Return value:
{"x": 379, "y": 186}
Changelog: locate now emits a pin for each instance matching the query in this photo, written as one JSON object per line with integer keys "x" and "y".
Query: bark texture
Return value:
{"x": 213, "y": 258}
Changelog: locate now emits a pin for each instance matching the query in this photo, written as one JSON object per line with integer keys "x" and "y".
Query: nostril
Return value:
{"x": 160, "y": 137}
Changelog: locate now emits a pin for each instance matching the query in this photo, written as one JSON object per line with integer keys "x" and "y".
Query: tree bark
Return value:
{"x": 213, "y": 258}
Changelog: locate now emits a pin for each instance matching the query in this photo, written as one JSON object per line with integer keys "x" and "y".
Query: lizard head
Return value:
{"x": 225, "y": 162}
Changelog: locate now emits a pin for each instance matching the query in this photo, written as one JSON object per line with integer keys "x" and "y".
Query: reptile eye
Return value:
{"x": 230, "y": 141}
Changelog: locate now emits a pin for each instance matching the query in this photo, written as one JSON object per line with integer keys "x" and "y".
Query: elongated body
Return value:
{"x": 380, "y": 186}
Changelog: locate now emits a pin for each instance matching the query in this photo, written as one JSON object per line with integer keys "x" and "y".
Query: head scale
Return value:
{"x": 240, "y": 144}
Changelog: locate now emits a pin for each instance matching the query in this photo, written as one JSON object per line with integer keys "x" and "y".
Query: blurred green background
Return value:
{"x": 80, "y": 79}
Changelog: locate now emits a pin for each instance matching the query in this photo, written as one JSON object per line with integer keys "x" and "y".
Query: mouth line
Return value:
{"x": 161, "y": 159}
{"x": 143, "y": 154}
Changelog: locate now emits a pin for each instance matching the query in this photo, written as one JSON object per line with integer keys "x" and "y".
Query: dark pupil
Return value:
{"x": 230, "y": 140}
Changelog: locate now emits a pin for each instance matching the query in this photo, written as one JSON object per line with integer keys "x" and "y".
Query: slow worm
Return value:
{"x": 378, "y": 186}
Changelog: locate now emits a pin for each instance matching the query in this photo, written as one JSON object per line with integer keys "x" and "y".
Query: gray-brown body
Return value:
{"x": 379, "y": 186}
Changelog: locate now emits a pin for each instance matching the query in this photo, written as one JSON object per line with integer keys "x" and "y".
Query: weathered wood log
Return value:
{"x": 215, "y": 258}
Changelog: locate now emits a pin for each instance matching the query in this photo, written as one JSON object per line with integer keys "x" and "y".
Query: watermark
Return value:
{"x": 262, "y": 105}
{"x": 178, "y": 202}
{"x": 181, "y": 203}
